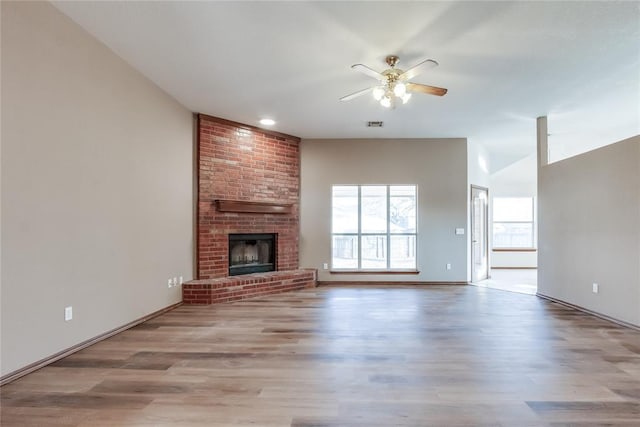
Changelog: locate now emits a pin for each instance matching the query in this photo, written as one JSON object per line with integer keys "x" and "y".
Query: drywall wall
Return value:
{"x": 437, "y": 166}
{"x": 96, "y": 187}
{"x": 516, "y": 180}
{"x": 478, "y": 165}
{"x": 519, "y": 179}
{"x": 589, "y": 230}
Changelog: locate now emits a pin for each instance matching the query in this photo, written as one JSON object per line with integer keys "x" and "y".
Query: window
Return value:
{"x": 513, "y": 223}
{"x": 374, "y": 227}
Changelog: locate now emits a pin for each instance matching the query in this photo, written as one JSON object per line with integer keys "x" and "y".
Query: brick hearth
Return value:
{"x": 227, "y": 289}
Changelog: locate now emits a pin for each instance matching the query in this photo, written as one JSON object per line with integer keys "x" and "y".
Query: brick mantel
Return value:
{"x": 245, "y": 164}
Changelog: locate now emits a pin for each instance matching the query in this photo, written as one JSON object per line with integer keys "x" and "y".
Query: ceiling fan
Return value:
{"x": 394, "y": 84}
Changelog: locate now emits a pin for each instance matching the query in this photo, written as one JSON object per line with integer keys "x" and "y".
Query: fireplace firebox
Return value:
{"x": 251, "y": 253}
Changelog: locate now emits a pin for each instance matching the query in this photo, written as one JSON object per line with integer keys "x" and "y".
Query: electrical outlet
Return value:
{"x": 68, "y": 313}
{"x": 175, "y": 281}
{"x": 448, "y": 266}
{"x": 169, "y": 283}
{"x": 595, "y": 288}
{"x": 180, "y": 281}
{"x": 325, "y": 266}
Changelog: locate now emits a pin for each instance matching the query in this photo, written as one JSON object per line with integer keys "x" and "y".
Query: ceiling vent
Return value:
{"x": 375, "y": 124}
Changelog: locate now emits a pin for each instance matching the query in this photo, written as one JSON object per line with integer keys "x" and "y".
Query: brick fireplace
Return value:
{"x": 248, "y": 183}
{"x": 248, "y": 186}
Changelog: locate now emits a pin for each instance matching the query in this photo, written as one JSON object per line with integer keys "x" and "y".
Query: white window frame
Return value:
{"x": 388, "y": 233}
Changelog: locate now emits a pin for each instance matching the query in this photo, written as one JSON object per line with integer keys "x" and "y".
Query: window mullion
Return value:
{"x": 388, "y": 254}
{"x": 359, "y": 228}
{"x": 534, "y": 221}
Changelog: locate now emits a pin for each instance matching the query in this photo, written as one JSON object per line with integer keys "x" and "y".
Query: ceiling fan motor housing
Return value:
{"x": 392, "y": 60}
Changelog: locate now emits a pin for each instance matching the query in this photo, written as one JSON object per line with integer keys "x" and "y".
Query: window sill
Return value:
{"x": 514, "y": 250}
{"x": 374, "y": 272}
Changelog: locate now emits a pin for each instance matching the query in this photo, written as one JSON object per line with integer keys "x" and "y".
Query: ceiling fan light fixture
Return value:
{"x": 378, "y": 93}
{"x": 393, "y": 84}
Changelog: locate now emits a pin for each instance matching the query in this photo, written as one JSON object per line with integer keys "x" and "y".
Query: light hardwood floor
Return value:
{"x": 347, "y": 356}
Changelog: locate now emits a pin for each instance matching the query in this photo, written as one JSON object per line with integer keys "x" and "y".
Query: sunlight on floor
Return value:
{"x": 524, "y": 281}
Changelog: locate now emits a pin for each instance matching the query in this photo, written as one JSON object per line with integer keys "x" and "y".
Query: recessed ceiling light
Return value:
{"x": 267, "y": 122}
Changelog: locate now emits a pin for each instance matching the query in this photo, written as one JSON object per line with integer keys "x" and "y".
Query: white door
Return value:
{"x": 479, "y": 229}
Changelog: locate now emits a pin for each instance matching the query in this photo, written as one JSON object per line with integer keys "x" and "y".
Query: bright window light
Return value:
{"x": 514, "y": 223}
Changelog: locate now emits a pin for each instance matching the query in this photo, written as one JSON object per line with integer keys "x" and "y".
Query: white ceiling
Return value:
{"x": 504, "y": 63}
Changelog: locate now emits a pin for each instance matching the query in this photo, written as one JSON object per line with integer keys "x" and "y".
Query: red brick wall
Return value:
{"x": 239, "y": 162}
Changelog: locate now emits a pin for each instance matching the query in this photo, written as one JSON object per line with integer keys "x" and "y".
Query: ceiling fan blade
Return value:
{"x": 431, "y": 90}
{"x": 417, "y": 69}
{"x": 356, "y": 94}
{"x": 368, "y": 71}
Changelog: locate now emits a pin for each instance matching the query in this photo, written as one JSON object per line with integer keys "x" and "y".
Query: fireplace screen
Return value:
{"x": 251, "y": 253}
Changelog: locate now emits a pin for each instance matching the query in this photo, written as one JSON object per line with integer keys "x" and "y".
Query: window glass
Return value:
{"x": 513, "y": 209}
{"x": 513, "y": 223}
{"x": 345, "y": 252}
{"x": 345, "y": 209}
{"x": 402, "y": 251}
{"x": 374, "y": 209}
{"x": 402, "y": 209}
{"x": 513, "y": 235}
{"x": 374, "y": 252}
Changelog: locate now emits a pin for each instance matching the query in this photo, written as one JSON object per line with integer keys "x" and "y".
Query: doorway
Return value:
{"x": 479, "y": 233}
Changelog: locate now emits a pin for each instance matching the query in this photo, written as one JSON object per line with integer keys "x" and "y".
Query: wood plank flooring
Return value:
{"x": 347, "y": 356}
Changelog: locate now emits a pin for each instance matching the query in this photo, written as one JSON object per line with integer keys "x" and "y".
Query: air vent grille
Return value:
{"x": 375, "y": 124}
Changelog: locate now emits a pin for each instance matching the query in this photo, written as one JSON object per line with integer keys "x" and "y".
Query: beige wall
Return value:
{"x": 437, "y": 166}
{"x": 96, "y": 187}
{"x": 589, "y": 230}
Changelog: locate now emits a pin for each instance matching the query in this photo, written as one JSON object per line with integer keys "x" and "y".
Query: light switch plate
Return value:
{"x": 459, "y": 231}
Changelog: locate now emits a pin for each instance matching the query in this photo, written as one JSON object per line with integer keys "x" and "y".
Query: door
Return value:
{"x": 479, "y": 230}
